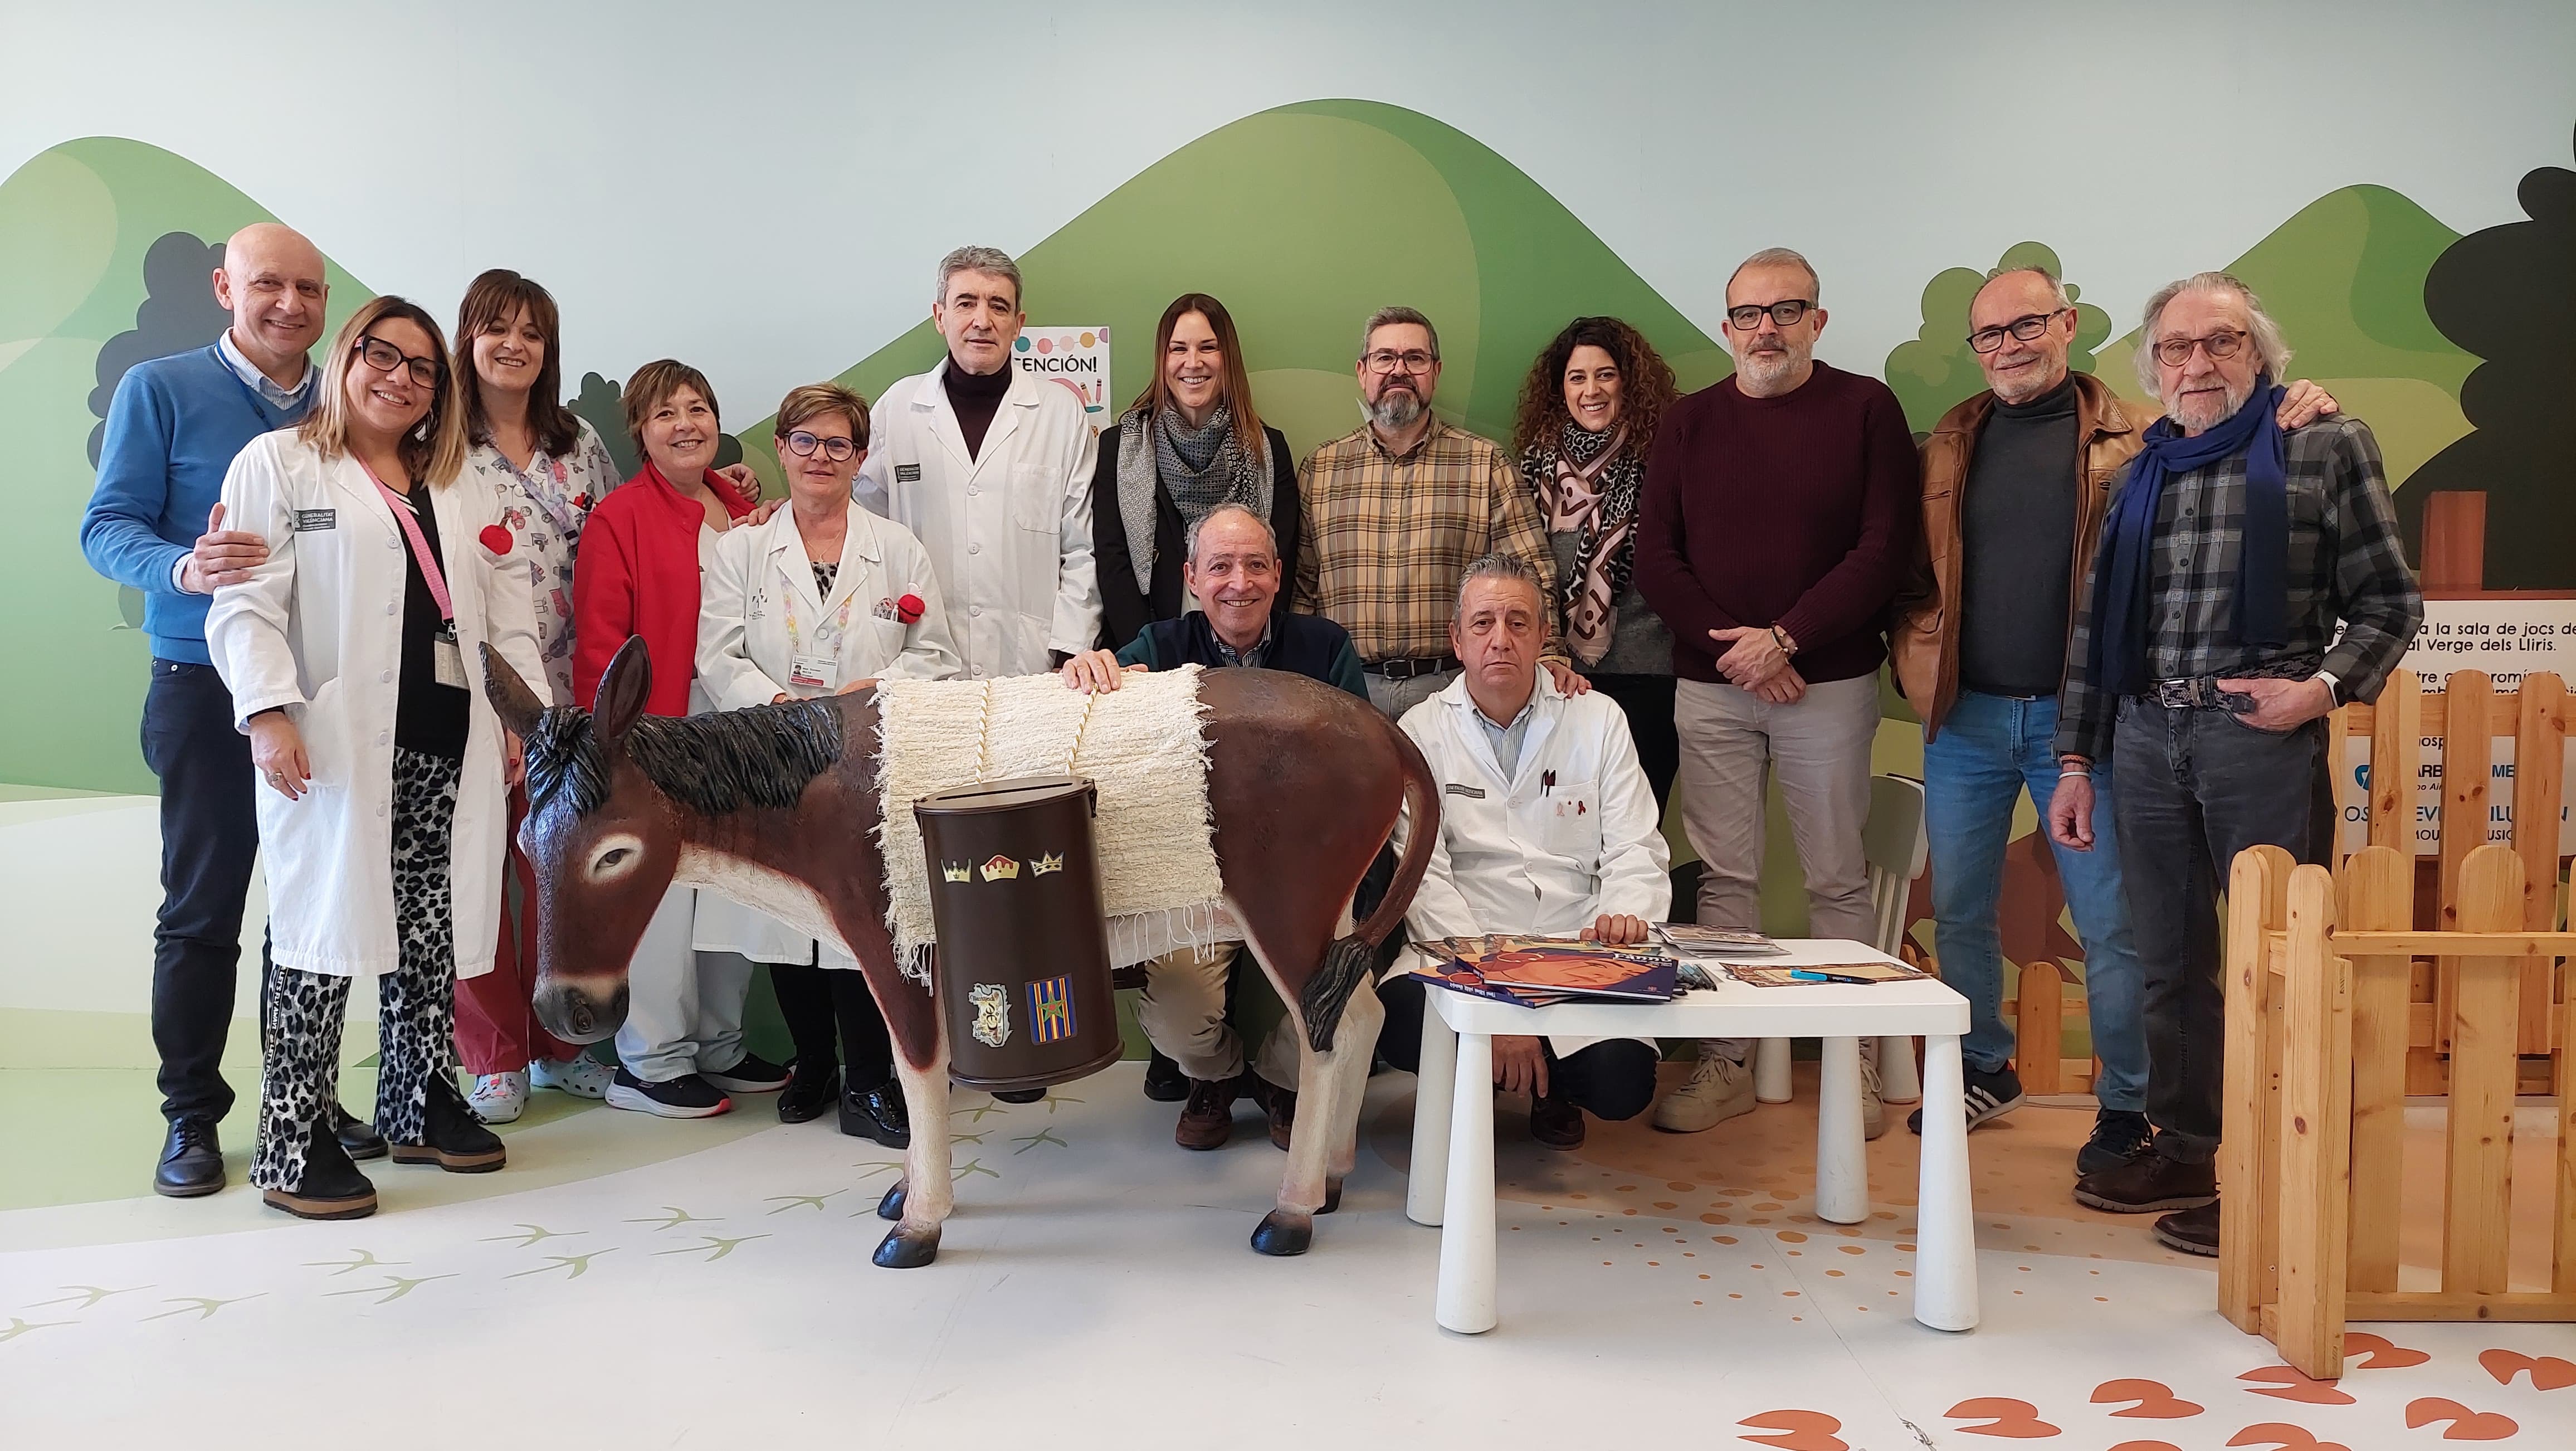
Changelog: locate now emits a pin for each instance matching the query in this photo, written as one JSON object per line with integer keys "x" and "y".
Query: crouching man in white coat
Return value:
{"x": 823, "y": 599}
{"x": 1547, "y": 827}
{"x": 353, "y": 658}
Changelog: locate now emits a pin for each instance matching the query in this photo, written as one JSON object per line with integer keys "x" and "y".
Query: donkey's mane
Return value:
{"x": 713, "y": 764}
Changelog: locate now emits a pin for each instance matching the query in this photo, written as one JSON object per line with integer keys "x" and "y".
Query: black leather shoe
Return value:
{"x": 2148, "y": 1183}
{"x": 2192, "y": 1231}
{"x": 332, "y": 1187}
{"x": 192, "y": 1162}
{"x": 451, "y": 1136}
{"x": 358, "y": 1138}
{"x": 1556, "y": 1123}
{"x": 877, "y": 1113}
{"x": 1164, "y": 1080}
{"x": 807, "y": 1095}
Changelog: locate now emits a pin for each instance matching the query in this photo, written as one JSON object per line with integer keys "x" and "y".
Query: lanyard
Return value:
{"x": 429, "y": 570}
{"x": 826, "y": 638}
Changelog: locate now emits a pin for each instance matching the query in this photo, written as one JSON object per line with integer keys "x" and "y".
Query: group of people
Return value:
{"x": 1648, "y": 603}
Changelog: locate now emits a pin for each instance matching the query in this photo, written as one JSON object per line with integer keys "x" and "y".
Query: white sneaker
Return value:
{"x": 1873, "y": 1109}
{"x": 1719, "y": 1089}
{"x": 499, "y": 1098}
{"x": 582, "y": 1077}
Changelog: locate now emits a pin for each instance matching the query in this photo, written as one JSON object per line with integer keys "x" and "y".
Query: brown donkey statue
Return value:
{"x": 777, "y": 805}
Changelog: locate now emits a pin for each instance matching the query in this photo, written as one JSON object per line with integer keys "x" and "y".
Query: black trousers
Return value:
{"x": 2195, "y": 787}
{"x": 209, "y": 836}
{"x": 817, "y": 1000}
{"x": 1647, "y": 700}
{"x": 1613, "y": 1079}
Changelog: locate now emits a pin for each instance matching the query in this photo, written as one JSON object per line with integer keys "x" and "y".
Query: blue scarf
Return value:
{"x": 2121, "y": 606}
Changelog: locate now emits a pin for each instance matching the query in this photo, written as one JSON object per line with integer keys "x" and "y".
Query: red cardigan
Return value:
{"x": 636, "y": 573}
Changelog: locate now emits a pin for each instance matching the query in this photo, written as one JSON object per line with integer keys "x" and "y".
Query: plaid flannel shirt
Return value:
{"x": 1388, "y": 537}
{"x": 2346, "y": 563}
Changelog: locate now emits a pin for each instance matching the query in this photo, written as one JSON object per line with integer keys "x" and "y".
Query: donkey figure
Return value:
{"x": 777, "y": 807}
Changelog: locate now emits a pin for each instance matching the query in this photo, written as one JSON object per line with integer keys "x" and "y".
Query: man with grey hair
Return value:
{"x": 989, "y": 467}
{"x": 2015, "y": 483}
{"x": 1777, "y": 520}
{"x": 2204, "y": 662}
{"x": 1232, "y": 571}
{"x": 1395, "y": 510}
{"x": 1547, "y": 827}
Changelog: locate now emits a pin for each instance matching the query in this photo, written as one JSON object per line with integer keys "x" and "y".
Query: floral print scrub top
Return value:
{"x": 544, "y": 509}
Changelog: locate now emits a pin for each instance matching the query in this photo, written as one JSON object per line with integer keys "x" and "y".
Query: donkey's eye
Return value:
{"x": 615, "y": 858}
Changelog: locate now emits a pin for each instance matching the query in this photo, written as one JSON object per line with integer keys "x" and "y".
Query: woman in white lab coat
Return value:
{"x": 353, "y": 660}
{"x": 823, "y": 599}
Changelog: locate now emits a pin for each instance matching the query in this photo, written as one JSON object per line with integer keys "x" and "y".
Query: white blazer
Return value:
{"x": 1569, "y": 836}
{"x": 758, "y": 610}
{"x": 317, "y": 630}
{"x": 1008, "y": 529}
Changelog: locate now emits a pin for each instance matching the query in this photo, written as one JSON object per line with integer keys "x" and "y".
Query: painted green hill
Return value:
{"x": 1305, "y": 219}
{"x": 77, "y": 224}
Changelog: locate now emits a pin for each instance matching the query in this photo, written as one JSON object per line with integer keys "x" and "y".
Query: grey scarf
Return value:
{"x": 1199, "y": 468}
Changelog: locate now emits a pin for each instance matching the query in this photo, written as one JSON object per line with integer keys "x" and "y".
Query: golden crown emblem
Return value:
{"x": 1053, "y": 862}
{"x": 998, "y": 867}
{"x": 957, "y": 871}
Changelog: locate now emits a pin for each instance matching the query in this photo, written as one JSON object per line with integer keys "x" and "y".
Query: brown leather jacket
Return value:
{"x": 1923, "y": 646}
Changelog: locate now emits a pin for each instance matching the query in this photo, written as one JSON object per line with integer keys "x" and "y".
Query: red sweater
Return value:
{"x": 1797, "y": 511}
{"x": 636, "y": 573}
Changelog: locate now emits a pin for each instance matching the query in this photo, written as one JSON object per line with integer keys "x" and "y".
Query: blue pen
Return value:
{"x": 1803, "y": 974}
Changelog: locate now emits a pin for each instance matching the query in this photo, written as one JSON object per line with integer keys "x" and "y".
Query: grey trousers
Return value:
{"x": 1733, "y": 745}
{"x": 1395, "y": 697}
{"x": 684, "y": 1008}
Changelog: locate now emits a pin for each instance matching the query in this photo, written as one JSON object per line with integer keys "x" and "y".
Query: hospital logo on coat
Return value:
{"x": 957, "y": 871}
{"x": 998, "y": 867}
{"x": 1051, "y": 1010}
{"x": 992, "y": 1013}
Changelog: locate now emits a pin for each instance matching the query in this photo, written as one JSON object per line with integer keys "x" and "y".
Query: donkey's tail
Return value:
{"x": 1349, "y": 959}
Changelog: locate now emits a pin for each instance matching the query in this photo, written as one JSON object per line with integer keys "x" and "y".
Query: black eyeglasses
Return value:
{"x": 803, "y": 444}
{"x": 2023, "y": 329}
{"x": 1748, "y": 317}
{"x": 384, "y": 357}
{"x": 2174, "y": 352}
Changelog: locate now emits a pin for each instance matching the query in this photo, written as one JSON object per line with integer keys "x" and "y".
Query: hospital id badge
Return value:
{"x": 446, "y": 658}
{"x": 812, "y": 672}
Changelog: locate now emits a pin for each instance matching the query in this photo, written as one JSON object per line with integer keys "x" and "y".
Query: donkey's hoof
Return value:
{"x": 891, "y": 1206}
{"x": 1282, "y": 1233}
{"x": 1332, "y": 1196}
{"x": 898, "y": 1251}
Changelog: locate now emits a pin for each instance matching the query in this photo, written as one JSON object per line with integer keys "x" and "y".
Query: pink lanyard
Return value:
{"x": 429, "y": 571}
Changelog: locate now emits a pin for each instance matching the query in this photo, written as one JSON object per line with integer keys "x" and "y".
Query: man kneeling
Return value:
{"x": 1547, "y": 827}
{"x": 1232, "y": 570}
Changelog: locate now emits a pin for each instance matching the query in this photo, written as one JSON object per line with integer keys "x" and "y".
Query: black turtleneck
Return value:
{"x": 976, "y": 397}
{"x": 2017, "y": 571}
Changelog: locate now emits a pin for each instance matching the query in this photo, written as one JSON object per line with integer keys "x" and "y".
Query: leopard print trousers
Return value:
{"x": 415, "y": 1028}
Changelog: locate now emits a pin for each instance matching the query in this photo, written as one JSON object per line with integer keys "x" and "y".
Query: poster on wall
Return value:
{"x": 2507, "y": 639}
{"x": 1074, "y": 357}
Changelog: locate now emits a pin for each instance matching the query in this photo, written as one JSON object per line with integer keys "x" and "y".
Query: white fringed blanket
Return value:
{"x": 1142, "y": 745}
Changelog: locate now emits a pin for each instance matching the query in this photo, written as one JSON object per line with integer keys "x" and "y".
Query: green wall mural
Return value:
{"x": 1937, "y": 370}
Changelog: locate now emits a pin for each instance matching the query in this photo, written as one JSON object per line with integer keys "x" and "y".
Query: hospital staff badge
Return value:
{"x": 992, "y": 1013}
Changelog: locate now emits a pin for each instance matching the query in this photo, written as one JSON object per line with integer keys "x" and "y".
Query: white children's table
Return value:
{"x": 1452, "y": 1181}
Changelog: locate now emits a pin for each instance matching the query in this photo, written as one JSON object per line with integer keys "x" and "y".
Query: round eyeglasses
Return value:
{"x": 838, "y": 450}
{"x": 2174, "y": 352}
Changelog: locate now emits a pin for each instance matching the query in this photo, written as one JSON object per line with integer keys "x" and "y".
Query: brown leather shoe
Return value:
{"x": 1556, "y": 1123}
{"x": 1281, "y": 1103}
{"x": 1207, "y": 1120}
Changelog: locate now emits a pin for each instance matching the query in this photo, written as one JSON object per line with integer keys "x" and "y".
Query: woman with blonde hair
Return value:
{"x": 352, "y": 655}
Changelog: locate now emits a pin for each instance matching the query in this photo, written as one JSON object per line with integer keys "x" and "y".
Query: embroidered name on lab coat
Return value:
{"x": 1472, "y": 793}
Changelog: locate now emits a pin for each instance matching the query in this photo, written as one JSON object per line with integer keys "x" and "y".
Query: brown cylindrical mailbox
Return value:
{"x": 1023, "y": 957}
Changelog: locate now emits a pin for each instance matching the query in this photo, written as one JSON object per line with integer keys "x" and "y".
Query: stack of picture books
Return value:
{"x": 1533, "y": 972}
{"x": 1693, "y": 940}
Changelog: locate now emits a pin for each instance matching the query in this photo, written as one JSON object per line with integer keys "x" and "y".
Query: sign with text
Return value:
{"x": 1077, "y": 358}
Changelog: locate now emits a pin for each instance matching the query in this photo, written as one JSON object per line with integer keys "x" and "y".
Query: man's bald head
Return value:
{"x": 272, "y": 284}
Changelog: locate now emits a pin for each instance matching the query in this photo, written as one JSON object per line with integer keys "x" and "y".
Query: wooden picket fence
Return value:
{"x": 2320, "y": 1020}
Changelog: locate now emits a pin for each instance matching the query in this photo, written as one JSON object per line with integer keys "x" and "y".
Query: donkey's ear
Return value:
{"x": 623, "y": 689}
{"x": 517, "y": 705}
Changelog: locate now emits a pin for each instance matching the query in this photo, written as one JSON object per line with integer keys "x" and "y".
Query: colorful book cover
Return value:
{"x": 1527, "y": 970}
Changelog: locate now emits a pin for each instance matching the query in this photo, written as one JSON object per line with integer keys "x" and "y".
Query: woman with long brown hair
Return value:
{"x": 1587, "y": 417}
{"x": 544, "y": 467}
{"x": 1191, "y": 441}
{"x": 352, "y": 656}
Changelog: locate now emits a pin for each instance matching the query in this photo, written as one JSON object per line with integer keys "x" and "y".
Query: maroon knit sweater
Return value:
{"x": 1797, "y": 511}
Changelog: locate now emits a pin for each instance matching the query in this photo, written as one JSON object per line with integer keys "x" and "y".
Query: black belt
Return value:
{"x": 1409, "y": 669}
{"x": 2201, "y": 692}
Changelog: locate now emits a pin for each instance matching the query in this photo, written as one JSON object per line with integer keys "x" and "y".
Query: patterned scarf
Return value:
{"x": 1199, "y": 468}
{"x": 1590, "y": 481}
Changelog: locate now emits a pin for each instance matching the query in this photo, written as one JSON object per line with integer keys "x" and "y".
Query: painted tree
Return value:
{"x": 178, "y": 312}
{"x": 1932, "y": 373}
{"x": 2508, "y": 294}
{"x": 602, "y": 403}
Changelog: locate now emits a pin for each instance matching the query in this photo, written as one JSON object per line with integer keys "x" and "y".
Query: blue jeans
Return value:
{"x": 1989, "y": 749}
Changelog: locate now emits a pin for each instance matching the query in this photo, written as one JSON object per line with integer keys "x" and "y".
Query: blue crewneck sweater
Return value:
{"x": 171, "y": 436}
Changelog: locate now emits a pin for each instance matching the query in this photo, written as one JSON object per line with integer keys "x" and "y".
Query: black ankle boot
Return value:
{"x": 451, "y": 1136}
{"x": 332, "y": 1187}
{"x": 877, "y": 1113}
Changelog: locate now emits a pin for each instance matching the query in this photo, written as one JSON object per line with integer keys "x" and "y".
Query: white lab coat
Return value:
{"x": 317, "y": 629}
{"x": 758, "y": 582}
{"x": 1008, "y": 530}
{"x": 1572, "y": 835}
